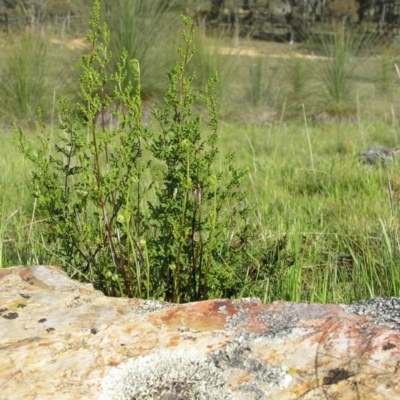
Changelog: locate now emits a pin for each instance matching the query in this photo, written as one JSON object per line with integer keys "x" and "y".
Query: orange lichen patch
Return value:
{"x": 237, "y": 378}
{"x": 304, "y": 387}
{"x": 327, "y": 330}
{"x": 337, "y": 335}
{"x": 113, "y": 362}
{"x": 174, "y": 341}
{"x": 7, "y": 271}
{"x": 246, "y": 377}
{"x": 28, "y": 277}
{"x": 215, "y": 347}
{"x": 28, "y": 274}
{"x": 199, "y": 316}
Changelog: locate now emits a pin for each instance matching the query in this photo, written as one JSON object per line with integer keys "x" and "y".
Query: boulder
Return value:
{"x": 61, "y": 339}
{"x": 379, "y": 154}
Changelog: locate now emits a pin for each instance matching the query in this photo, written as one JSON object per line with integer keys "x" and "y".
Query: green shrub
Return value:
{"x": 179, "y": 237}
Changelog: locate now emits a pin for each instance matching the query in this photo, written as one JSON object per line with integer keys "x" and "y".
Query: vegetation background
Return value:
{"x": 296, "y": 107}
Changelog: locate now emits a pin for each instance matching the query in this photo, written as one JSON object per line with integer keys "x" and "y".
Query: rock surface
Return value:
{"x": 60, "y": 339}
{"x": 379, "y": 154}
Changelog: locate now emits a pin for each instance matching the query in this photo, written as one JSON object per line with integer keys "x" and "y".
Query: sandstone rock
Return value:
{"x": 60, "y": 339}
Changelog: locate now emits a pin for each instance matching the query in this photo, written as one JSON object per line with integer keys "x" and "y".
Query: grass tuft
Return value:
{"x": 24, "y": 87}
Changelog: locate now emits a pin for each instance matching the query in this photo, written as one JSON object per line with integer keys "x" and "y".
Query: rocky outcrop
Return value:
{"x": 61, "y": 339}
{"x": 379, "y": 154}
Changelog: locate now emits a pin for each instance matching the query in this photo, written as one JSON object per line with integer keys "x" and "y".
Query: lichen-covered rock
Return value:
{"x": 379, "y": 154}
{"x": 60, "y": 339}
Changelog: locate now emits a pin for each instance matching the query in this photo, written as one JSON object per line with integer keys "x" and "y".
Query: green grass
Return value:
{"x": 325, "y": 227}
{"x": 324, "y": 238}
{"x": 18, "y": 243}
{"x": 335, "y": 232}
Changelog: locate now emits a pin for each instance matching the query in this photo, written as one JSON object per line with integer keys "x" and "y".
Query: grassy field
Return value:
{"x": 326, "y": 227}
{"x": 326, "y": 234}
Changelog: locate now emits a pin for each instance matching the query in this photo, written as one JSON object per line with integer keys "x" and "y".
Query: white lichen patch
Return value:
{"x": 166, "y": 375}
{"x": 383, "y": 310}
{"x": 238, "y": 355}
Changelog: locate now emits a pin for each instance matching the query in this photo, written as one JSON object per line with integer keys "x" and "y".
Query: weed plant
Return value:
{"x": 177, "y": 238}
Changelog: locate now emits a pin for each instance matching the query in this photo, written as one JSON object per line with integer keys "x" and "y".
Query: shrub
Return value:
{"x": 179, "y": 237}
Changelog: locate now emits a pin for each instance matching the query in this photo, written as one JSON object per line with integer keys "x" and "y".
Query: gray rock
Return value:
{"x": 383, "y": 310}
{"x": 376, "y": 154}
